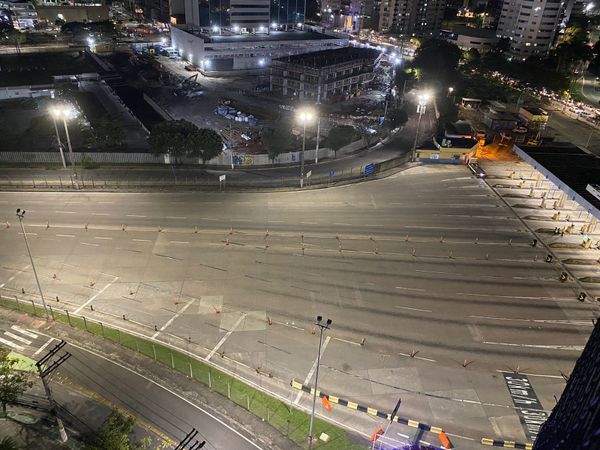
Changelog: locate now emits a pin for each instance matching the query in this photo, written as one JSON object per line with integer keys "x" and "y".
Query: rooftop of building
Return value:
{"x": 474, "y": 32}
{"x": 332, "y": 57}
{"x": 295, "y": 35}
{"x": 458, "y": 128}
{"x": 535, "y": 110}
{"x": 571, "y": 165}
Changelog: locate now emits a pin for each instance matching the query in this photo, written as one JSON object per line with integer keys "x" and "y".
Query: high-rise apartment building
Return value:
{"x": 531, "y": 25}
{"x": 411, "y": 17}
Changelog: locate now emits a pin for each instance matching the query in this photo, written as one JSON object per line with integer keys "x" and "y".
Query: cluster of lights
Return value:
{"x": 63, "y": 111}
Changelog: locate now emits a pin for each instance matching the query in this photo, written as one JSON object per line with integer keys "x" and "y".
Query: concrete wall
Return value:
{"x": 73, "y": 13}
{"x": 8, "y": 93}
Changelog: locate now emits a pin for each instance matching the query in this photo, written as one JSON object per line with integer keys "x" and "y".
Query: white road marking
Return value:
{"x": 312, "y": 369}
{"x": 176, "y": 217}
{"x": 179, "y": 242}
{"x": 66, "y": 212}
{"x": 29, "y": 234}
{"x": 43, "y": 347}
{"x": 309, "y": 223}
{"x": 409, "y": 289}
{"x": 583, "y": 323}
{"x": 560, "y": 377}
{"x": 574, "y": 348}
{"x": 347, "y": 341}
{"x": 412, "y": 309}
{"x": 14, "y": 276}
{"x": 170, "y": 321}
{"x": 141, "y": 240}
{"x": 95, "y": 295}
{"x": 370, "y": 225}
{"x": 65, "y": 235}
{"x": 12, "y": 345}
{"x": 92, "y": 245}
{"x": 519, "y": 297}
{"x": 229, "y": 427}
{"x": 106, "y": 203}
{"x": 474, "y": 330}
{"x": 17, "y": 338}
{"x": 224, "y": 338}
{"x": 103, "y": 238}
{"x": 100, "y": 214}
{"x": 417, "y": 357}
{"x": 24, "y": 332}
{"x": 342, "y": 223}
{"x": 135, "y": 215}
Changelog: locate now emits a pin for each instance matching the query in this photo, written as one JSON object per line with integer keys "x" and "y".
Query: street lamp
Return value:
{"x": 305, "y": 116}
{"x": 323, "y": 327}
{"x": 65, "y": 112}
{"x": 60, "y": 147}
{"x": 21, "y": 215}
{"x": 421, "y": 107}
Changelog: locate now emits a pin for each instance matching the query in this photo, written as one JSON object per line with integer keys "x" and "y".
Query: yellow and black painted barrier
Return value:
{"x": 368, "y": 410}
{"x": 506, "y": 444}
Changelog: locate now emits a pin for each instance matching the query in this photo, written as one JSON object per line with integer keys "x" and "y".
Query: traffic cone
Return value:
{"x": 444, "y": 440}
{"x": 376, "y": 435}
{"x": 326, "y": 403}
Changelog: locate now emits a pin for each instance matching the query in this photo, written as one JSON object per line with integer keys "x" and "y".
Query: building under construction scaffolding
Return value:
{"x": 337, "y": 73}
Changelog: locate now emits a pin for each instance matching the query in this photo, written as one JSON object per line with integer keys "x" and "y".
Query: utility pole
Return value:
{"x": 318, "y": 135}
{"x": 187, "y": 440}
{"x": 44, "y": 372}
{"x": 21, "y": 215}
{"x": 60, "y": 147}
{"x": 323, "y": 327}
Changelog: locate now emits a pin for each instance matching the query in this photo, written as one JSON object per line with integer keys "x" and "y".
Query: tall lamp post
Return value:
{"x": 305, "y": 116}
{"x": 318, "y": 136}
{"x": 323, "y": 326}
{"x": 65, "y": 112}
{"x": 21, "y": 215}
{"x": 421, "y": 107}
{"x": 60, "y": 147}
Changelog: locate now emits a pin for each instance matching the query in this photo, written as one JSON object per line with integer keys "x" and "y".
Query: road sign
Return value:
{"x": 369, "y": 169}
{"x": 331, "y": 173}
{"x": 222, "y": 177}
{"x": 308, "y": 174}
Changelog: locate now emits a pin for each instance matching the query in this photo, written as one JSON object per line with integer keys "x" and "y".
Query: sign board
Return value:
{"x": 369, "y": 169}
{"x": 309, "y": 173}
{"x": 331, "y": 173}
{"x": 222, "y": 177}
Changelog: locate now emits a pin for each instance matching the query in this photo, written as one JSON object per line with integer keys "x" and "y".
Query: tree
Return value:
{"x": 472, "y": 57}
{"x": 438, "y": 60}
{"x": 175, "y": 138}
{"x": 108, "y": 133}
{"x": 396, "y": 117}
{"x": 16, "y": 38}
{"x": 115, "y": 434}
{"x": 12, "y": 381}
{"x": 340, "y": 136}
{"x": 208, "y": 146}
{"x": 276, "y": 141}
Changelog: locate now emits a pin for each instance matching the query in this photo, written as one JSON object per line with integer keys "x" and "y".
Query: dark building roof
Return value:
{"x": 535, "y": 110}
{"x": 304, "y": 35}
{"x": 474, "y": 32}
{"x": 326, "y": 58}
{"x": 571, "y": 165}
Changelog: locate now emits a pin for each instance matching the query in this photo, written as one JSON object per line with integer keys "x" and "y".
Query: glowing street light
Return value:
{"x": 261, "y": 62}
{"x": 305, "y": 116}
{"x": 274, "y": 25}
{"x": 423, "y": 98}
{"x": 215, "y": 29}
{"x": 64, "y": 112}
{"x": 261, "y": 29}
{"x": 236, "y": 28}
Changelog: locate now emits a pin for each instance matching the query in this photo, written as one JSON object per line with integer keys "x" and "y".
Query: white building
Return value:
{"x": 242, "y": 51}
{"x": 411, "y": 17}
{"x": 531, "y": 25}
{"x": 22, "y": 14}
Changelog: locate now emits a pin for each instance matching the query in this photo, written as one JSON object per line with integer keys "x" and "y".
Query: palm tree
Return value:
{"x": 8, "y": 443}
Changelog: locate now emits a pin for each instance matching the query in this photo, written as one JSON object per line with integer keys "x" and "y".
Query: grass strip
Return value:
{"x": 289, "y": 421}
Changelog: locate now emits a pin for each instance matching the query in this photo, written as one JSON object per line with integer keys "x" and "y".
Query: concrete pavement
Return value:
{"x": 429, "y": 266}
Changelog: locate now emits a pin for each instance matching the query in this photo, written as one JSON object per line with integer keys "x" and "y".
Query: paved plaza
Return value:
{"x": 430, "y": 277}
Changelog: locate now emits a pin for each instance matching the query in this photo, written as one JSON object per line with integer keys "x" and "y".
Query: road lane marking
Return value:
{"x": 136, "y": 215}
{"x": 224, "y": 338}
{"x": 475, "y": 332}
{"x": 95, "y": 295}
{"x": 14, "y": 276}
{"x": 312, "y": 369}
{"x": 65, "y": 235}
{"x": 43, "y": 347}
{"x": 409, "y": 289}
{"x": 29, "y": 234}
{"x": 141, "y": 240}
{"x": 573, "y": 348}
{"x": 559, "y": 377}
{"x": 100, "y": 214}
{"x": 583, "y": 323}
{"x": 24, "y": 332}
{"x": 12, "y": 345}
{"x": 176, "y": 217}
{"x": 179, "y": 242}
{"x": 343, "y": 224}
{"x": 417, "y": 357}
{"x": 170, "y": 321}
{"x": 347, "y": 341}
{"x": 413, "y": 309}
{"x": 17, "y": 338}
{"x": 65, "y": 212}
{"x": 91, "y": 245}
{"x": 103, "y": 238}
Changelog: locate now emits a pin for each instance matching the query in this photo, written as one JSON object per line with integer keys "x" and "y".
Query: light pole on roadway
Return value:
{"x": 323, "y": 327}
{"x": 421, "y": 107}
{"x": 305, "y": 116}
{"x": 21, "y": 215}
{"x": 65, "y": 112}
{"x": 60, "y": 147}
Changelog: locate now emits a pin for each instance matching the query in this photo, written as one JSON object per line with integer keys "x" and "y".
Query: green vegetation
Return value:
{"x": 340, "y": 136}
{"x": 180, "y": 138}
{"x": 12, "y": 382}
{"x": 279, "y": 414}
{"x": 276, "y": 141}
{"x": 115, "y": 434}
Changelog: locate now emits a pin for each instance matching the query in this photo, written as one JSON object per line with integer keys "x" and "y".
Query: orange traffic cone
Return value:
{"x": 326, "y": 403}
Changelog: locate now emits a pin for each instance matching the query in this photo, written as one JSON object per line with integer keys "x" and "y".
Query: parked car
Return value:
{"x": 520, "y": 130}
{"x": 191, "y": 68}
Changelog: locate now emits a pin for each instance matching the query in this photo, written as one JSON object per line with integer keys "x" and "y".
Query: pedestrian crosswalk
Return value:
{"x": 22, "y": 340}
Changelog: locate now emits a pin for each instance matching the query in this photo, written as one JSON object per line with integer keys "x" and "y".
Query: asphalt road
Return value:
{"x": 164, "y": 409}
{"x": 429, "y": 262}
